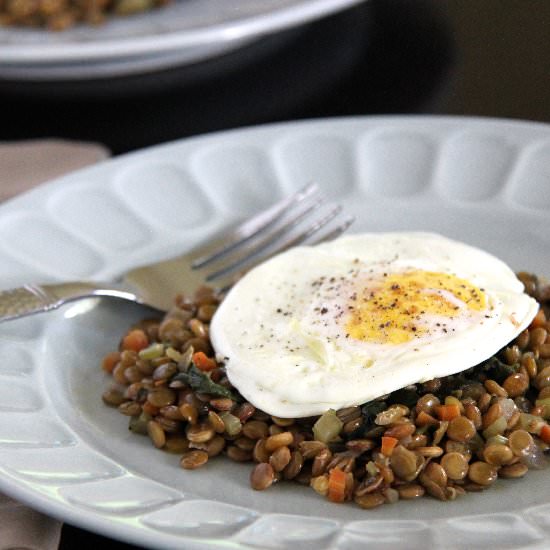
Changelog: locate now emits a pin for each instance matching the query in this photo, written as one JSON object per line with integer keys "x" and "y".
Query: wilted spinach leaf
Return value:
{"x": 201, "y": 382}
{"x": 496, "y": 369}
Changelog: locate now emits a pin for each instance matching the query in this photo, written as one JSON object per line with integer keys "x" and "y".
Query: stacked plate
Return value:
{"x": 185, "y": 32}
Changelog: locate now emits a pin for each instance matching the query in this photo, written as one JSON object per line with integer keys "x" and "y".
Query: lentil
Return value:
{"x": 238, "y": 455}
{"x": 113, "y": 397}
{"x": 371, "y": 500}
{"x": 537, "y": 337}
{"x": 513, "y": 471}
{"x": 482, "y": 473}
{"x": 321, "y": 461}
{"x": 484, "y": 402}
{"x": 222, "y": 404}
{"x": 410, "y": 491}
{"x": 472, "y": 412}
{"x": 541, "y": 381}
{"x": 213, "y": 447}
{"x": 156, "y": 433}
{"x": 494, "y": 412}
{"x": 280, "y": 458}
{"x": 399, "y": 431}
{"x": 168, "y": 425}
{"x": 193, "y": 459}
{"x": 455, "y": 465}
{"x": 161, "y": 397}
{"x": 495, "y": 389}
{"x": 259, "y": 453}
{"x": 189, "y": 413}
{"x": 262, "y": 476}
{"x": 294, "y": 466}
{"x": 497, "y": 455}
{"x": 130, "y": 408}
{"x": 520, "y": 442}
{"x": 436, "y": 473}
{"x": 245, "y": 443}
{"x": 404, "y": 463}
{"x": 256, "y": 429}
{"x": 279, "y": 440}
{"x": 199, "y": 433}
{"x": 431, "y": 452}
{"x": 461, "y": 429}
{"x": 218, "y": 425}
{"x": 516, "y": 384}
{"x": 177, "y": 444}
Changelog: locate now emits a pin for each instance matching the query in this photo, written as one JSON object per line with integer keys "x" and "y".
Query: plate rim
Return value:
{"x": 235, "y": 32}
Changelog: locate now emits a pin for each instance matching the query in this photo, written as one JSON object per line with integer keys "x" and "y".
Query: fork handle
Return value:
{"x": 31, "y": 299}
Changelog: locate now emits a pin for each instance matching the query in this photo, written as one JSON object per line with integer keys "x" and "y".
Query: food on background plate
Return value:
{"x": 58, "y": 15}
{"x": 373, "y": 368}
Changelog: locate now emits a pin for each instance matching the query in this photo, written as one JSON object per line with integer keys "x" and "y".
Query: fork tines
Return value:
{"x": 287, "y": 223}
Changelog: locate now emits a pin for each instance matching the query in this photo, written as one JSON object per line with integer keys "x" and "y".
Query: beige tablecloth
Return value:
{"x": 24, "y": 165}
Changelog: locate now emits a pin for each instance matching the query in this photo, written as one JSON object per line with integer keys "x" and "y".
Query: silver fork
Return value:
{"x": 215, "y": 263}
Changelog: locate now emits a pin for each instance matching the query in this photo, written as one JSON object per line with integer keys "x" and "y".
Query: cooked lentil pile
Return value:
{"x": 59, "y": 15}
{"x": 441, "y": 438}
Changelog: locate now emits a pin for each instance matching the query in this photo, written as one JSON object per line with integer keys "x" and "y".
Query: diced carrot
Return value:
{"x": 135, "y": 340}
{"x": 109, "y": 361}
{"x": 388, "y": 443}
{"x": 148, "y": 408}
{"x": 545, "y": 433}
{"x": 336, "y": 485}
{"x": 539, "y": 320}
{"x": 447, "y": 412}
{"x": 203, "y": 362}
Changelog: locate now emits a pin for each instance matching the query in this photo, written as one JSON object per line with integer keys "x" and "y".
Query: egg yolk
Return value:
{"x": 403, "y": 306}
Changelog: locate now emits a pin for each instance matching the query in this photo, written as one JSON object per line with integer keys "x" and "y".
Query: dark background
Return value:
{"x": 463, "y": 57}
{"x": 485, "y": 58}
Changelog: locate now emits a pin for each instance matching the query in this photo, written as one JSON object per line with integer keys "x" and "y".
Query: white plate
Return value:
{"x": 186, "y": 31}
{"x": 63, "y": 452}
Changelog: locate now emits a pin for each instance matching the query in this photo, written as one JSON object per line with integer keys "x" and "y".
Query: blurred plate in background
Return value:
{"x": 184, "y": 32}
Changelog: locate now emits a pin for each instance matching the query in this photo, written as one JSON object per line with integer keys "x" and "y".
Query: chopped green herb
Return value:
{"x": 201, "y": 382}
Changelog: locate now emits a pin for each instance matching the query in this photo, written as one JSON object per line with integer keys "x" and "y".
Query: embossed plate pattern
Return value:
{"x": 61, "y": 451}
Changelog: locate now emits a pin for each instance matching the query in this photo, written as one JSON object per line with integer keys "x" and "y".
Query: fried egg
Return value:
{"x": 345, "y": 322}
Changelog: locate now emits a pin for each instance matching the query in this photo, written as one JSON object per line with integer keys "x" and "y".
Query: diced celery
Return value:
{"x": 152, "y": 352}
{"x": 327, "y": 427}
{"x": 496, "y": 428}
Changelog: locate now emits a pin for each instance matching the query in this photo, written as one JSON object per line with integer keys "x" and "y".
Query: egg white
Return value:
{"x": 284, "y": 343}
